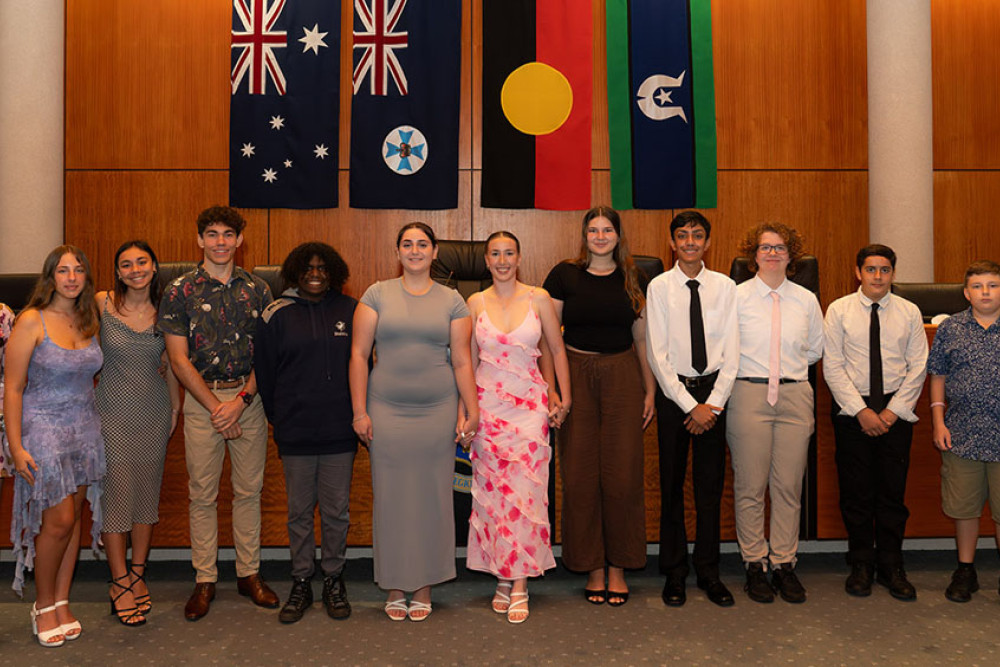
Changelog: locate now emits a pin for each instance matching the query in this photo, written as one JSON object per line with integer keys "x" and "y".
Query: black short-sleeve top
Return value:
{"x": 597, "y": 312}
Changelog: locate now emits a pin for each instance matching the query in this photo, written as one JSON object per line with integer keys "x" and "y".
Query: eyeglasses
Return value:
{"x": 767, "y": 249}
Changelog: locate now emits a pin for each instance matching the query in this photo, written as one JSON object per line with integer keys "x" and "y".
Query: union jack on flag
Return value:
{"x": 258, "y": 39}
{"x": 379, "y": 41}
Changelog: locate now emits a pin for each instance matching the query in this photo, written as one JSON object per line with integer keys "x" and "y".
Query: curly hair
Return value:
{"x": 748, "y": 246}
{"x": 155, "y": 288}
{"x": 296, "y": 264}
{"x": 621, "y": 254}
{"x": 221, "y": 215}
{"x": 85, "y": 308}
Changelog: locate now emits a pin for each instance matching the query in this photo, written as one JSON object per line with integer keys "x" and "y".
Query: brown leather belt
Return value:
{"x": 227, "y": 384}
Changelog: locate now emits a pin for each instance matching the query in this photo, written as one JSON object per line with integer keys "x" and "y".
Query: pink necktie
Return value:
{"x": 774, "y": 361}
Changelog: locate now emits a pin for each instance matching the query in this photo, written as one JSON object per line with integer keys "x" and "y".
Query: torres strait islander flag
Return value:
{"x": 537, "y": 91}
{"x": 661, "y": 104}
{"x": 283, "y": 113}
{"x": 405, "y": 108}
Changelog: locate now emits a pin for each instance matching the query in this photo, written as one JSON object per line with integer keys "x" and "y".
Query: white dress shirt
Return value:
{"x": 668, "y": 333}
{"x": 904, "y": 352}
{"x": 801, "y": 329}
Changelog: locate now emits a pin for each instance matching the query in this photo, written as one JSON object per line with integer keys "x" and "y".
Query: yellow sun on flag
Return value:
{"x": 536, "y": 98}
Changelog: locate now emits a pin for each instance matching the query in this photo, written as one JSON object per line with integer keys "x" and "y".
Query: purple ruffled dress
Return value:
{"x": 61, "y": 430}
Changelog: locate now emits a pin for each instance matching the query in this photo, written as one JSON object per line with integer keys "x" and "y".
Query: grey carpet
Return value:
{"x": 830, "y": 629}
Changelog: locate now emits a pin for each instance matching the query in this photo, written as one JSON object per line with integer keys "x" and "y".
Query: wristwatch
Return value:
{"x": 246, "y": 396}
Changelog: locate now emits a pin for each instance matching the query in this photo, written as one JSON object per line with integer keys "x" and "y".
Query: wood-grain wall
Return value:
{"x": 147, "y": 93}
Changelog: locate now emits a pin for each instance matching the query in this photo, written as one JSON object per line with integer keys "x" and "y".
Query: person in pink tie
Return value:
{"x": 771, "y": 415}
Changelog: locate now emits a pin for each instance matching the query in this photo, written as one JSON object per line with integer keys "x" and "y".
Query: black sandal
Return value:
{"x": 601, "y": 596}
{"x": 143, "y": 602}
{"x": 131, "y": 616}
{"x": 622, "y": 598}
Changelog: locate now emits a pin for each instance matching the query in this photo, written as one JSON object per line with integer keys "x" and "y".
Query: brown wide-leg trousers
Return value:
{"x": 601, "y": 458}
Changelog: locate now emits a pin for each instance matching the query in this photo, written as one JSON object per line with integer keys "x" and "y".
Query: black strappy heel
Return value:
{"x": 131, "y": 616}
{"x": 143, "y": 602}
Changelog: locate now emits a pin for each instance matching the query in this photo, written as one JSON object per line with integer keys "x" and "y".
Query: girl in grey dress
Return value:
{"x": 419, "y": 401}
{"x": 138, "y": 413}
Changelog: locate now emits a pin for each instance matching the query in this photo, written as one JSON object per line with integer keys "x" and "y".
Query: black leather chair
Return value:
{"x": 651, "y": 266}
{"x": 271, "y": 274}
{"x": 170, "y": 271}
{"x": 806, "y": 272}
{"x": 933, "y": 298}
{"x": 16, "y": 288}
{"x": 461, "y": 265}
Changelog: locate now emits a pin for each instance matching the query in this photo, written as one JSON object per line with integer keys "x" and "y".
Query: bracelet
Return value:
{"x": 938, "y": 403}
{"x": 357, "y": 419}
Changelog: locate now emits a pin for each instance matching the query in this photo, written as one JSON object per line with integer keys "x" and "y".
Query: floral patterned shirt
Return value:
{"x": 219, "y": 320}
{"x": 969, "y": 357}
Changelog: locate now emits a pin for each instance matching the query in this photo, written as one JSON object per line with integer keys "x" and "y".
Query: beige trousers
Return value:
{"x": 769, "y": 447}
{"x": 205, "y": 450}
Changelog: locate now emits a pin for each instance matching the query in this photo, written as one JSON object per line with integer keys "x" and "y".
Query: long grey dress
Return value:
{"x": 134, "y": 403}
{"x": 413, "y": 405}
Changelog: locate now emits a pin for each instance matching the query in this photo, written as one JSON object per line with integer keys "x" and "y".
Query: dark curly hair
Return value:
{"x": 296, "y": 264}
{"x": 748, "y": 246}
{"x": 222, "y": 215}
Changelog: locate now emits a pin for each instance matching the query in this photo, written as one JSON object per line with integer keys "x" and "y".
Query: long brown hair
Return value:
{"x": 621, "y": 254}
{"x": 84, "y": 308}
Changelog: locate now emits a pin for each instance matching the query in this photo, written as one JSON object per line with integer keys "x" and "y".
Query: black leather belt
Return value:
{"x": 765, "y": 380}
{"x": 698, "y": 380}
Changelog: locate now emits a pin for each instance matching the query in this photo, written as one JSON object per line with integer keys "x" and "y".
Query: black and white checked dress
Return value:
{"x": 134, "y": 404}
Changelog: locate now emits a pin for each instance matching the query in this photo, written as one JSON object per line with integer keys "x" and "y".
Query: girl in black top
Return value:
{"x": 600, "y": 300}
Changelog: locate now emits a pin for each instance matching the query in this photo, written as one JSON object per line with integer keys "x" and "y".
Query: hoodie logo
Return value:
{"x": 340, "y": 329}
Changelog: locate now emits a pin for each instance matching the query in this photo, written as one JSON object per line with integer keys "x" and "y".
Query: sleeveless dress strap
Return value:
{"x": 45, "y": 329}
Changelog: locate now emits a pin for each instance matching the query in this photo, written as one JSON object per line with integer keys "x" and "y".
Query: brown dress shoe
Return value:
{"x": 255, "y": 588}
{"x": 200, "y": 600}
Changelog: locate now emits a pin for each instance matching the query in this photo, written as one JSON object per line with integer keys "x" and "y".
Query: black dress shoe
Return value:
{"x": 200, "y": 601}
{"x": 859, "y": 583}
{"x": 964, "y": 582}
{"x": 757, "y": 587}
{"x": 674, "y": 593}
{"x": 787, "y": 584}
{"x": 894, "y": 578}
{"x": 335, "y": 598}
{"x": 299, "y": 600}
{"x": 717, "y": 592}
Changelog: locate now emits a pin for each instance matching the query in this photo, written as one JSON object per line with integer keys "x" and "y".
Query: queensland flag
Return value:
{"x": 537, "y": 98}
{"x": 661, "y": 104}
{"x": 405, "y": 108}
{"x": 283, "y": 114}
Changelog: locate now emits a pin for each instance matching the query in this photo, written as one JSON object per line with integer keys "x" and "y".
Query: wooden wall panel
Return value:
{"x": 965, "y": 221}
{"x": 138, "y": 93}
{"x": 966, "y": 75}
{"x": 790, "y": 80}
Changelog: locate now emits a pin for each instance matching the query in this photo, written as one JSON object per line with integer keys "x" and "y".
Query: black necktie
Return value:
{"x": 699, "y": 358}
{"x": 875, "y": 362}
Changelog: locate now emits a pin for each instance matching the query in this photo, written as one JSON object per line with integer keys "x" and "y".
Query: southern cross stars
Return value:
{"x": 313, "y": 39}
{"x": 321, "y": 151}
{"x": 277, "y": 122}
{"x": 270, "y": 175}
{"x": 247, "y": 150}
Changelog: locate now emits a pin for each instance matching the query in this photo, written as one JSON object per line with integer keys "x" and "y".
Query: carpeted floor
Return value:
{"x": 830, "y": 629}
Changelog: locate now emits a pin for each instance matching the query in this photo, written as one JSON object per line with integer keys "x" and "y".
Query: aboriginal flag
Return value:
{"x": 661, "y": 104}
{"x": 284, "y": 110}
{"x": 537, "y": 91}
{"x": 405, "y": 108}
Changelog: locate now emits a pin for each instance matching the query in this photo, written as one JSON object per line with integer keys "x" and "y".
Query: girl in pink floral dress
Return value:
{"x": 509, "y": 534}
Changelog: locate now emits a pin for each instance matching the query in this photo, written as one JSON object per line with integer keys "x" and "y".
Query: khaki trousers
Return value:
{"x": 769, "y": 447}
{"x": 205, "y": 450}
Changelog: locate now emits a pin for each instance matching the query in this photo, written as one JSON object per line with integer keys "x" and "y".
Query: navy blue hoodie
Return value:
{"x": 301, "y": 354}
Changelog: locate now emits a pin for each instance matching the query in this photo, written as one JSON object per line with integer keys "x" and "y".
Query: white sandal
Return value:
{"x": 66, "y": 627}
{"x": 45, "y": 635}
{"x": 501, "y": 598}
{"x": 418, "y": 606}
{"x": 518, "y": 605}
{"x": 397, "y": 605}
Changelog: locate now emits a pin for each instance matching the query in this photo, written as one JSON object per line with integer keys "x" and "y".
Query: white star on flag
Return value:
{"x": 313, "y": 39}
{"x": 277, "y": 122}
{"x": 288, "y": 164}
{"x": 321, "y": 151}
{"x": 247, "y": 150}
{"x": 270, "y": 175}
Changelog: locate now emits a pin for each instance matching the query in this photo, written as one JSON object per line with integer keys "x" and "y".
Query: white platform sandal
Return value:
{"x": 45, "y": 635}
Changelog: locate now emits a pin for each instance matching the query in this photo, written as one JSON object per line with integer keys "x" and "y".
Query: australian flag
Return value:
{"x": 284, "y": 111}
{"x": 405, "y": 108}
